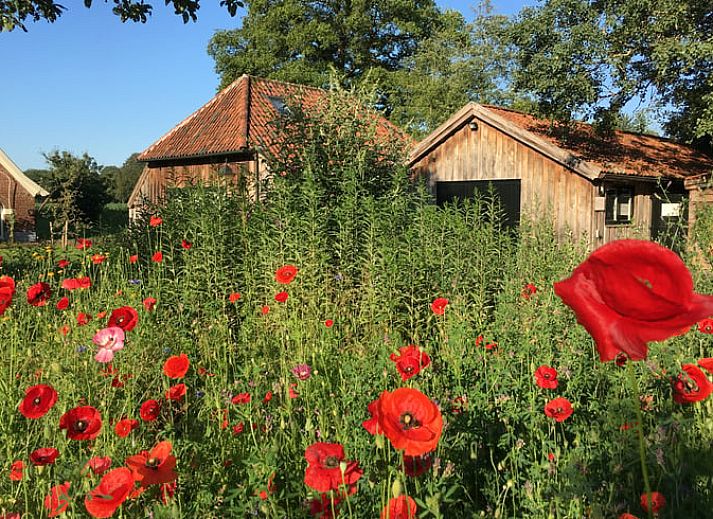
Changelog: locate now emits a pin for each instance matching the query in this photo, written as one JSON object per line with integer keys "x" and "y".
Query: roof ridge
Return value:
{"x": 290, "y": 83}
{"x": 222, "y": 93}
{"x": 616, "y": 130}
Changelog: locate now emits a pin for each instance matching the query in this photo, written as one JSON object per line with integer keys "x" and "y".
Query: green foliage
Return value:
{"x": 121, "y": 180}
{"x": 13, "y": 13}
{"x": 424, "y": 62}
{"x": 592, "y": 58}
{"x": 77, "y": 191}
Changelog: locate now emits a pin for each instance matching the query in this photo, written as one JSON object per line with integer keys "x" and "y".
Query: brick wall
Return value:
{"x": 13, "y": 196}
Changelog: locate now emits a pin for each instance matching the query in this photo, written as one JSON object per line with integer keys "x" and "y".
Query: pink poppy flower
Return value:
{"x": 109, "y": 341}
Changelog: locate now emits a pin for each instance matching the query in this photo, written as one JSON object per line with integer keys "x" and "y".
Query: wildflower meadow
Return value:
{"x": 336, "y": 350}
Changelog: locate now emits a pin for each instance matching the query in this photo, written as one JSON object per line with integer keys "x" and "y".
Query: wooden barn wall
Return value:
{"x": 641, "y": 222}
{"x": 546, "y": 187}
{"x": 154, "y": 181}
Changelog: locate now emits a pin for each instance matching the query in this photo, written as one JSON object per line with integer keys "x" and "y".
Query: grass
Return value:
{"x": 499, "y": 455}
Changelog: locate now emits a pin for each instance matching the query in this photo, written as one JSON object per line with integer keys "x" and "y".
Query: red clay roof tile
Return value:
{"x": 624, "y": 153}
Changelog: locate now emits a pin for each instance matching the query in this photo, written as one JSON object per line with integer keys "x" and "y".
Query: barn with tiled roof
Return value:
{"x": 221, "y": 141}
{"x": 624, "y": 185}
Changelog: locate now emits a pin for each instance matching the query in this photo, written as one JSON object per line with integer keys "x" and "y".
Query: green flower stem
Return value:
{"x": 640, "y": 433}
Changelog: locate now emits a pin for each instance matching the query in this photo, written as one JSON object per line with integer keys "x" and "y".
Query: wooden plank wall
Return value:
{"x": 546, "y": 186}
{"x": 154, "y": 181}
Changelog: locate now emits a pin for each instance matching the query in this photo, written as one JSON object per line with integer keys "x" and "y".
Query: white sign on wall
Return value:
{"x": 670, "y": 210}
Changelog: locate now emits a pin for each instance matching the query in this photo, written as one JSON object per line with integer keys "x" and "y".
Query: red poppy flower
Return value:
{"x": 149, "y": 303}
{"x": 281, "y": 297}
{"x": 58, "y": 499}
{"x": 631, "y": 292}
{"x": 7, "y": 292}
{"x": 401, "y": 507}
{"x": 176, "y": 392}
{"x": 98, "y": 465}
{"x": 75, "y": 283}
{"x": 98, "y": 258}
{"x": 233, "y": 297}
{"x": 81, "y": 423}
{"x": 329, "y": 323}
{"x": 83, "y": 319}
{"x": 167, "y": 491}
{"x": 16, "y": 470}
{"x": 706, "y": 364}
{"x": 39, "y": 294}
{"x": 410, "y": 420}
{"x": 241, "y": 398}
{"x": 38, "y": 401}
{"x": 267, "y": 397}
{"x": 528, "y": 291}
{"x": 133, "y": 258}
{"x": 326, "y": 506}
{"x": 692, "y": 387}
{"x": 43, "y": 456}
{"x": 439, "y": 305}
{"x": 176, "y": 366}
{"x": 157, "y": 257}
{"x": 155, "y": 221}
{"x": 265, "y": 310}
{"x": 186, "y": 244}
{"x": 154, "y": 467}
{"x": 113, "y": 489}
{"x": 285, "y": 274}
{"x": 83, "y": 244}
{"x": 657, "y": 499}
{"x": 410, "y": 361}
{"x": 705, "y": 325}
{"x": 560, "y": 409}
{"x": 62, "y": 304}
{"x": 63, "y": 263}
{"x": 415, "y": 466}
{"x": 626, "y": 515}
{"x": 150, "y": 410}
{"x": 372, "y": 424}
{"x": 546, "y": 377}
{"x": 324, "y": 467}
{"x": 238, "y": 428}
{"x": 125, "y": 318}
{"x": 124, "y": 427}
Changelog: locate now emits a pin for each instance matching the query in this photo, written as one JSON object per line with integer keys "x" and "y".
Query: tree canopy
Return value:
{"x": 590, "y": 58}
{"x": 14, "y": 13}
{"x": 424, "y": 61}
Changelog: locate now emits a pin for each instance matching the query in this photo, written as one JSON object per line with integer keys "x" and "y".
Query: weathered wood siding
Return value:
{"x": 155, "y": 180}
{"x": 546, "y": 187}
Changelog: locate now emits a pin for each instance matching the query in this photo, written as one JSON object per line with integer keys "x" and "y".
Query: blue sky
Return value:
{"x": 89, "y": 83}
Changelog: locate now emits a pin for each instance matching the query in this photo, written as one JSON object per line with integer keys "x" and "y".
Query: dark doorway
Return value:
{"x": 505, "y": 192}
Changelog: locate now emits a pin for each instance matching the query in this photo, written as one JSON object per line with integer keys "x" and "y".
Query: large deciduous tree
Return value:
{"x": 298, "y": 40}
{"x": 592, "y": 57}
{"x": 426, "y": 63}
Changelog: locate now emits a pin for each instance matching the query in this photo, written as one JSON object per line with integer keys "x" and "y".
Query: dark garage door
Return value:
{"x": 506, "y": 191}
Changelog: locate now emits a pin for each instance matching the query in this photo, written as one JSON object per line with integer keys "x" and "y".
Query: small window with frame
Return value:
{"x": 619, "y": 205}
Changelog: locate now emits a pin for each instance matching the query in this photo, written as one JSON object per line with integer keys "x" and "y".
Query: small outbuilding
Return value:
{"x": 625, "y": 185}
{"x": 18, "y": 196}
